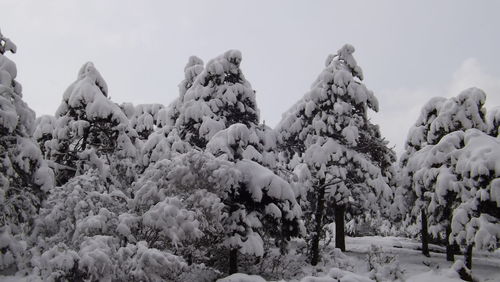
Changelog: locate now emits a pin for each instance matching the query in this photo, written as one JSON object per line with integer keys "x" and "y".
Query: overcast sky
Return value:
{"x": 409, "y": 51}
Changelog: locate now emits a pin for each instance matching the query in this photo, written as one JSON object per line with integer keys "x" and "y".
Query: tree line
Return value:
{"x": 198, "y": 188}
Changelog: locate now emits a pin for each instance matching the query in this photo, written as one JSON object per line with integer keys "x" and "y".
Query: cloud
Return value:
{"x": 400, "y": 107}
{"x": 471, "y": 74}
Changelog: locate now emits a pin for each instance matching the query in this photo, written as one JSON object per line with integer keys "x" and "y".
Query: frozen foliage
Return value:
{"x": 346, "y": 159}
{"x": 138, "y": 262}
{"x": 145, "y": 118}
{"x": 82, "y": 207}
{"x": 92, "y": 132}
{"x": 44, "y": 127}
{"x": 101, "y": 258}
{"x": 12, "y": 250}
{"x": 25, "y": 178}
{"x": 85, "y": 231}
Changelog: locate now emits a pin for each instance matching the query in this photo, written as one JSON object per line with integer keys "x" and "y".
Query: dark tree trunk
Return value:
{"x": 450, "y": 248}
{"x": 233, "y": 261}
{"x": 468, "y": 256}
{"x": 318, "y": 226}
{"x": 339, "y": 227}
{"x": 465, "y": 272}
{"x": 425, "y": 235}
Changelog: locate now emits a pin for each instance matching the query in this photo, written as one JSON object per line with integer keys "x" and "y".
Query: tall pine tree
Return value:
{"x": 329, "y": 131}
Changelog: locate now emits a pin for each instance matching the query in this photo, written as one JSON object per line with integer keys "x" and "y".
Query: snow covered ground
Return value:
{"x": 414, "y": 266}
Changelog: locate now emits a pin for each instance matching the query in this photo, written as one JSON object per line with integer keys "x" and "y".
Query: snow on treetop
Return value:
{"x": 193, "y": 61}
{"x": 345, "y": 55}
{"x": 90, "y": 92}
{"x": 6, "y": 44}
{"x": 218, "y": 97}
{"x": 336, "y": 105}
{"x": 440, "y": 116}
{"x": 462, "y": 112}
{"x": 89, "y": 71}
{"x": 192, "y": 69}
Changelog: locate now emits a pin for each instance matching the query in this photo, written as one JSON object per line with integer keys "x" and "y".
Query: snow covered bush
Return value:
{"x": 230, "y": 202}
{"x": 100, "y": 258}
{"x": 195, "y": 179}
{"x": 59, "y": 263}
{"x": 82, "y": 207}
{"x": 383, "y": 267}
{"x": 138, "y": 262}
{"x": 328, "y": 138}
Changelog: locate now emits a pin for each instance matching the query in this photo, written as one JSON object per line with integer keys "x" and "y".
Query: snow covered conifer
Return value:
{"x": 329, "y": 131}
{"x": 91, "y": 131}
{"x": 167, "y": 141}
{"x": 25, "y": 178}
{"x": 259, "y": 200}
{"x": 427, "y": 169}
{"x": 219, "y": 97}
{"x": 476, "y": 221}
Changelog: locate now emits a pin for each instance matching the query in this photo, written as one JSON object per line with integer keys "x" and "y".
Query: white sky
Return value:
{"x": 409, "y": 51}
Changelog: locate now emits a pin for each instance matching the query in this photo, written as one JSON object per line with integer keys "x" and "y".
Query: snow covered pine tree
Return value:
{"x": 217, "y": 112}
{"x": 476, "y": 221}
{"x": 328, "y": 130}
{"x": 427, "y": 169}
{"x": 25, "y": 178}
{"x": 92, "y": 132}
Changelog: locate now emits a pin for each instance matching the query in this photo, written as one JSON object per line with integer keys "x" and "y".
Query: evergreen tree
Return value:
{"x": 25, "y": 178}
{"x": 167, "y": 141}
{"x": 92, "y": 132}
{"x": 216, "y": 113}
{"x": 260, "y": 200}
{"x": 476, "y": 221}
{"x": 329, "y": 131}
{"x": 425, "y": 167}
{"x": 219, "y": 97}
